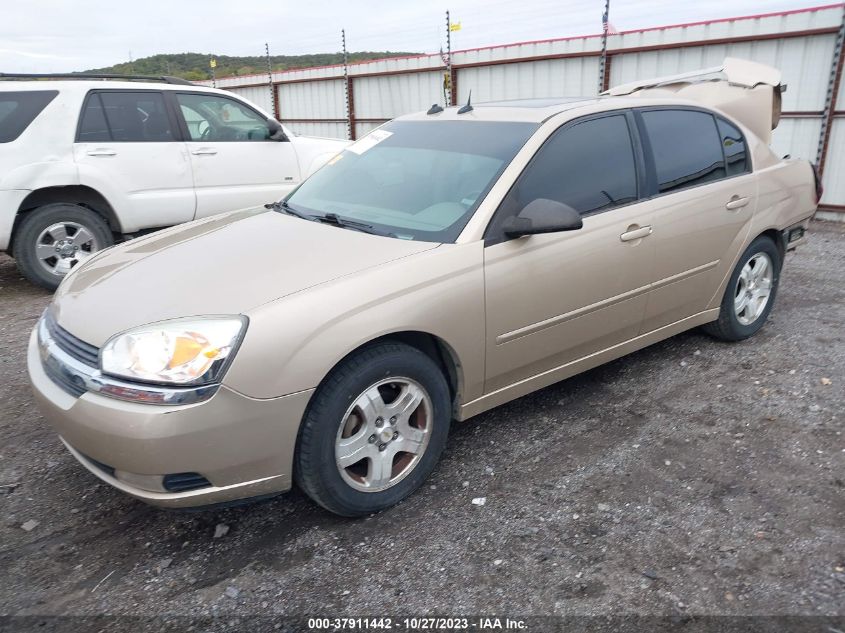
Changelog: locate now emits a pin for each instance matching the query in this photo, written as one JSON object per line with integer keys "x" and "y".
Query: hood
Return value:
{"x": 222, "y": 265}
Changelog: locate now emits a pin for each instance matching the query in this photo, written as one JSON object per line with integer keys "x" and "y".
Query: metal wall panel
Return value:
{"x": 312, "y": 100}
{"x": 834, "y": 171}
{"x": 259, "y": 95}
{"x": 393, "y": 95}
{"x": 798, "y": 137}
{"x": 804, "y": 62}
{"x": 318, "y": 128}
{"x": 572, "y": 77}
{"x": 362, "y": 129}
{"x": 742, "y": 27}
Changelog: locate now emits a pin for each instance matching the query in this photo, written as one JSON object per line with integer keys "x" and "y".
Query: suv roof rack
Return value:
{"x": 162, "y": 78}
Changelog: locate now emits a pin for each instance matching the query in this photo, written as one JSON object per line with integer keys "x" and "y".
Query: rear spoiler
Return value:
{"x": 749, "y": 91}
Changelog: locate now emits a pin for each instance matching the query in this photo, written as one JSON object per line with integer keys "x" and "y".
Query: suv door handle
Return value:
{"x": 635, "y": 233}
{"x": 101, "y": 152}
{"x": 204, "y": 151}
{"x": 736, "y": 203}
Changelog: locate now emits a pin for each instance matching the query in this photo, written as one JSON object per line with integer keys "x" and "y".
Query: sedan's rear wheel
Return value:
{"x": 750, "y": 293}
{"x": 374, "y": 430}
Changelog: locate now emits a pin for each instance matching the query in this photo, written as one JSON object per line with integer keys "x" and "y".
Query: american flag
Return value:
{"x": 607, "y": 26}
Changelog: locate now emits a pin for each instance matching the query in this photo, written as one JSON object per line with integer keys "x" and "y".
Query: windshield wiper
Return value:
{"x": 284, "y": 207}
{"x": 335, "y": 220}
{"x": 328, "y": 218}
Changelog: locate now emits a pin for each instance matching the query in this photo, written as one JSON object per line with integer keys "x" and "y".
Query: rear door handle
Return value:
{"x": 204, "y": 151}
{"x": 736, "y": 203}
{"x": 101, "y": 152}
{"x": 635, "y": 234}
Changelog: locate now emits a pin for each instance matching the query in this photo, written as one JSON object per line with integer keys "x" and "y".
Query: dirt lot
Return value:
{"x": 693, "y": 477}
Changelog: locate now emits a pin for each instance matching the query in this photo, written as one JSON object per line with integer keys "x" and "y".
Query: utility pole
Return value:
{"x": 270, "y": 79}
{"x": 447, "y": 80}
{"x": 605, "y": 25}
{"x": 830, "y": 105}
{"x": 346, "y": 86}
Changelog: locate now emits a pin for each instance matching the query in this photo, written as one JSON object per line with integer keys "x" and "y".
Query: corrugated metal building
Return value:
{"x": 801, "y": 43}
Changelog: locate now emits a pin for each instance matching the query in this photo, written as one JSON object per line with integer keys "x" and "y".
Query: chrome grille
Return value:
{"x": 68, "y": 343}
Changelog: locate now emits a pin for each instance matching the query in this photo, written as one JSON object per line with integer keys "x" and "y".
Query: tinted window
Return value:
{"x": 589, "y": 166}
{"x": 93, "y": 127}
{"x": 733, "y": 144}
{"x": 213, "y": 118}
{"x": 686, "y": 148}
{"x": 127, "y": 117}
{"x": 19, "y": 109}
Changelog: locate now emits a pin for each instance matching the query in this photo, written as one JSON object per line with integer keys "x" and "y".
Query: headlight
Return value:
{"x": 192, "y": 351}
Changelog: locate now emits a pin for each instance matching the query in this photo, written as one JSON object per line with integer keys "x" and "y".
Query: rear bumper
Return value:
{"x": 243, "y": 447}
{"x": 10, "y": 202}
{"x": 795, "y": 235}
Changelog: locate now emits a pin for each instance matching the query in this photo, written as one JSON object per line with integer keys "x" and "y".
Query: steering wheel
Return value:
{"x": 205, "y": 132}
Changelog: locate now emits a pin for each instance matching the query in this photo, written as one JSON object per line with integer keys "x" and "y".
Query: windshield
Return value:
{"x": 419, "y": 180}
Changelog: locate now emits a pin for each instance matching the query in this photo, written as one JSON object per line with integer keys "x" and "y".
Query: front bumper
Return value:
{"x": 242, "y": 446}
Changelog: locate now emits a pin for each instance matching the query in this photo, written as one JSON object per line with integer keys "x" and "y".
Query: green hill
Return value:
{"x": 195, "y": 66}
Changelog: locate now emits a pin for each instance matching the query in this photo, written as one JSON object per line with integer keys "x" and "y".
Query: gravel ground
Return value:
{"x": 693, "y": 477}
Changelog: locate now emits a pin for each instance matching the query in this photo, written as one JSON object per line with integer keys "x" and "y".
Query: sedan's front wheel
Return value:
{"x": 374, "y": 430}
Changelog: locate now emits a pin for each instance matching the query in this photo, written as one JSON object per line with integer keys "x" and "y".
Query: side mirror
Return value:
{"x": 277, "y": 133}
{"x": 543, "y": 216}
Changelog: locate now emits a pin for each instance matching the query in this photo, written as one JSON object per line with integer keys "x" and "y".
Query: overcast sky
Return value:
{"x": 67, "y": 35}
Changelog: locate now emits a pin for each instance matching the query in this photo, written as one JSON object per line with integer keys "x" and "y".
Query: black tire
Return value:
{"x": 34, "y": 222}
{"x": 315, "y": 468}
{"x": 728, "y": 327}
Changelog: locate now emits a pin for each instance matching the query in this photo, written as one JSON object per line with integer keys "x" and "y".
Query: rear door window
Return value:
{"x": 19, "y": 109}
{"x": 686, "y": 147}
{"x": 125, "y": 117}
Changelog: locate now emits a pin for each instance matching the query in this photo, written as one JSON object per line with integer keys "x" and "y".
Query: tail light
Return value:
{"x": 819, "y": 186}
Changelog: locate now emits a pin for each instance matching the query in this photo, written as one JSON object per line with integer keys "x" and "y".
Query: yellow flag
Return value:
{"x": 455, "y": 26}
{"x": 213, "y": 63}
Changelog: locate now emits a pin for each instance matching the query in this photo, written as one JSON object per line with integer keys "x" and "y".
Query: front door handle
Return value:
{"x": 101, "y": 152}
{"x": 204, "y": 151}
{"x": 736, "y": 203}
{"x": 635, "y": 233}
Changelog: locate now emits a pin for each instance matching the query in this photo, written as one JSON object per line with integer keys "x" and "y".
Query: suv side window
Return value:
{"x": 212, "y": 118}
{"x": 19, "y": 108}
{"x": 686, "y": 148}
{"x": 733, "y": 145}
{"x": 589, "y": 166}
{"x": 125, "y": 117}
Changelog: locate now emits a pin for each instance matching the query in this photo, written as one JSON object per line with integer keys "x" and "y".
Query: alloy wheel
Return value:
{"x": 384, "y": 434}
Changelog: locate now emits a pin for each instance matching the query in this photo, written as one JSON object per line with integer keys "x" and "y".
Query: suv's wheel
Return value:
{"x": 750, "y": 293}
{"x": 52, "y": 239}
{"x": 374, "y": 430}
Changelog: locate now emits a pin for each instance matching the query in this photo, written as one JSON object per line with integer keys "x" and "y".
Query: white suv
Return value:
{"x": 87, "y": 162}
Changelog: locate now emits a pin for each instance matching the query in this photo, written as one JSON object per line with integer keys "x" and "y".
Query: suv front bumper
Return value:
{"x": 242, "y": 446}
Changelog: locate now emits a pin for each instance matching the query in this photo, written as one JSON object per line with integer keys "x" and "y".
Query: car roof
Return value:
{"x": 539, "y": 110}
{"x": 84, "y": 85}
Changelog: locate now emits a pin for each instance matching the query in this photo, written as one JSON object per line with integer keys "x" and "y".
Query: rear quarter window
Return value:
{"x": 733, "y": 144}
{"x": 19, "y": 109}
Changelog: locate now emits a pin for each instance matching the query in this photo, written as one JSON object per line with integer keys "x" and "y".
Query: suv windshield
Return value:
{"x": 419, "y": 180}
